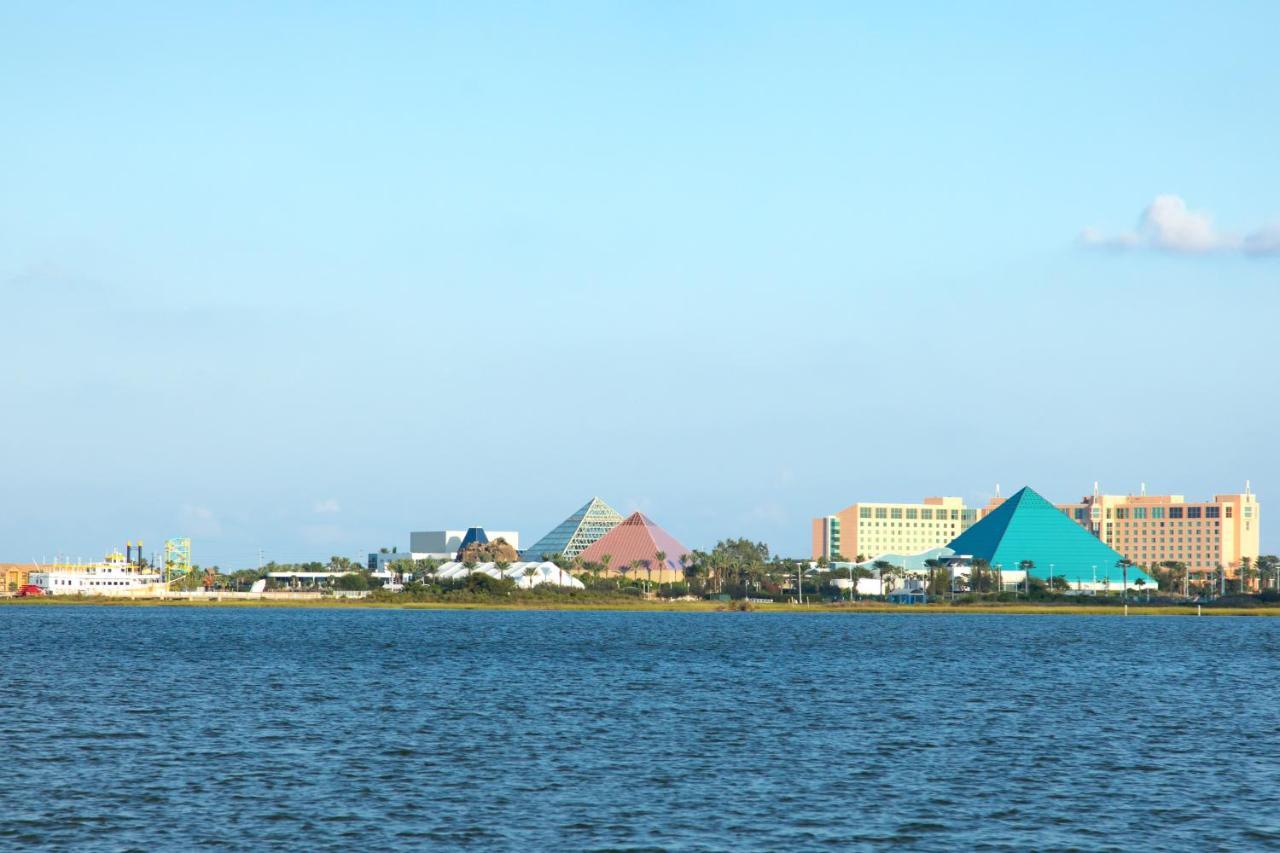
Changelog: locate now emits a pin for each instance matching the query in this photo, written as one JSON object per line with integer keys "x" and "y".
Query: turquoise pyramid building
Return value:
{"x": 1028, "y": 527}
{"x": 577, "y": 532}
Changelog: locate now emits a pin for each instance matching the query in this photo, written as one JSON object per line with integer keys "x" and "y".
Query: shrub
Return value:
{"x": 353, "y": 581}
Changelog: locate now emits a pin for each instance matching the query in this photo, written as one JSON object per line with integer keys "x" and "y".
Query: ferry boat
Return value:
{"x": 118, "y": 574}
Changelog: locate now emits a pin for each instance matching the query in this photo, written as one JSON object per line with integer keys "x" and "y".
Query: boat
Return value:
{"x": 118, "y": 574}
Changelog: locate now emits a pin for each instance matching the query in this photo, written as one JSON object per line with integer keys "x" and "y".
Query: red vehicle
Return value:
{"x": 29, "y": 589}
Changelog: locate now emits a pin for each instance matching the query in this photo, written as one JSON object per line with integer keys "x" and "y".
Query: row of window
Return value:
{"x": 1173, "y": 512}
{"x": 936, "y": 525}
{"x": 908, "y": 512}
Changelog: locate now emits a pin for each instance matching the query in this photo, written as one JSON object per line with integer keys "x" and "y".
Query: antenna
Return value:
{"x": 1095, "y": 488}
{"x": 1246, "y": 487}
{"x": 1144, "y": 490}
{"x": 997, "y": 490}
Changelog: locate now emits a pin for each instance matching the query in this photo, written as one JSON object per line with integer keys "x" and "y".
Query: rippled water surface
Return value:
{"x": 155, "y": 728}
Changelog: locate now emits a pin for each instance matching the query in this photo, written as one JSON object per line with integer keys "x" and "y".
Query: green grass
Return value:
{"x": 639, "y": 605}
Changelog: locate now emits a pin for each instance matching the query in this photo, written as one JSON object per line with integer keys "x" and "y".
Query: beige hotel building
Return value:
{"x": 1158, "y": 528}
{"x": 1145, "y": 528}
{"x": 867, "y": 530}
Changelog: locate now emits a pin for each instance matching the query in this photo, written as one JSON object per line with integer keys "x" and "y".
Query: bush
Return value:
{"x": 353, "y": 581}
{"x": 674, "y": 590}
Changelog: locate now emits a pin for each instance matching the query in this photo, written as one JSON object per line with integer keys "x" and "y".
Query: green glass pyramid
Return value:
{"x": 1028, "y": 527}
{"x": 572, "y": 536}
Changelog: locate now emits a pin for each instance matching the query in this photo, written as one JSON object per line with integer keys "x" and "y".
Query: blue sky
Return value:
{"x": 303, "y": 277}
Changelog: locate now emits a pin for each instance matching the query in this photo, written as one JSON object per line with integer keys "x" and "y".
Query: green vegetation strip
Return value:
{"x": 659, "y": 606}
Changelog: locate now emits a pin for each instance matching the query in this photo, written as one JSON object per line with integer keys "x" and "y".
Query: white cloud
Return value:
{"x": 1168, "y": 225}
{"x": 200, "y": 521}
{"x": 327, "y": 507}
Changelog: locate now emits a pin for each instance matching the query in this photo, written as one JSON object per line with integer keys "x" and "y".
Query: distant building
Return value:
{"x": 444, "y": 544}
{"x": 577, "y": 532}
{"x": 1156, "y": 528}
{"x": 1028, "y": 527}
{"x": 15, "y": 575}
{"x": 633, "y": 547}
{"x": 1150, "y": 529}
{"x": 380, "y": 562}
{"x": 865, "y": 529}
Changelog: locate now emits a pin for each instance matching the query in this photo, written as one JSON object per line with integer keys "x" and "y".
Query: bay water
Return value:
{"x": 323, "y": 729}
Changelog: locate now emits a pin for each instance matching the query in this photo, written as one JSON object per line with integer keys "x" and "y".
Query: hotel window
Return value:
{"x": 911, "y": 513}
{"x": 1139, "y": 512}
{"x": 895, "y": 512}
{"x": 1229, "y": 511}
{"x": 864, "y": 512}
{"x": 926, "y": 514}
{"x": 1122, "y": 513}
{"x": 1157, "y": 512}
{"x": 881, "y": 512}
{"x": 1175, "y": 512}
{"x": 1248, "y": 512}
{"x": 1193, "y": 512}
{"x": 1211, "y": 512}
{"x": 1081, "y": 514}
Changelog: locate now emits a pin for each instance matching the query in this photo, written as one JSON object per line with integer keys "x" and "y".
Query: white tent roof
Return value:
{"x": 519, "y": 572}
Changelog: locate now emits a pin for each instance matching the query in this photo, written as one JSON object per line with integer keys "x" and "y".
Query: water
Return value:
{"x": 154, "y": 728}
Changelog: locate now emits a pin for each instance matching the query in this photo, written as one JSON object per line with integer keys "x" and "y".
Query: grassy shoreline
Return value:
{"x": 993, "y": 608}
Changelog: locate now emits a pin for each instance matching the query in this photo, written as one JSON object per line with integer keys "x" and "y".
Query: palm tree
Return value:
{"x": 1246, "y": 572}
{"x": 1140, "y": 583}
{"x": 605, "y": 559}
{"x": 1267, "y": 565}
{"x": 661, "y": 558}
{"x": 1124, "y": 564}
{"x": 882, "y": 567}
{"x": 1027, "y": 566}
{"x": 978, "y": 575}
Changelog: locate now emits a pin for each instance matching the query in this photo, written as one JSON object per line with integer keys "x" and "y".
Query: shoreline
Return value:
{"x": 995, "y": 608}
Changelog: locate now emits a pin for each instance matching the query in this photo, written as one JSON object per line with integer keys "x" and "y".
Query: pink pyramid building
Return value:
{"x": 638, "y": 540}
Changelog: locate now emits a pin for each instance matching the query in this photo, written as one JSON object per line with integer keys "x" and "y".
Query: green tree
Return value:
{"x": 351, "y": 581}
{"x": 1124, "y": 564}
{"x": 884, "y": 574}
{"x": 1247, "y": 573}
{"x": 1026, "y": 566}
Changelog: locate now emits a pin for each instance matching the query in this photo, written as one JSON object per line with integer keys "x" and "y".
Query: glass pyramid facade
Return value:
{"x": 577, "y": 532}
{"x": 1028, "y": 527}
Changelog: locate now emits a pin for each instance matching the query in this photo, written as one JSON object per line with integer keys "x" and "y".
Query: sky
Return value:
{"x": 298, "y": 278}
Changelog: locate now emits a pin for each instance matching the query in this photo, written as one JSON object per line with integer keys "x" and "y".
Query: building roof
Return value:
{"x": 526, "y": 575}
{"x": 1028, "y": 527}
{"x": 636, "y": 539}
{"x": 909, "y": 562}
{"x": 473, "y": 535}
{"x": 573, "y": 535}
